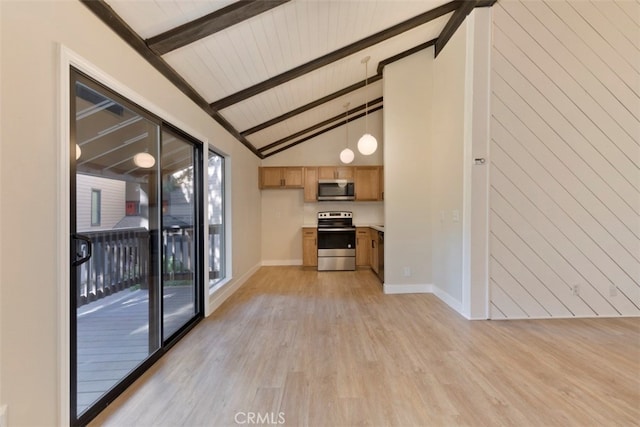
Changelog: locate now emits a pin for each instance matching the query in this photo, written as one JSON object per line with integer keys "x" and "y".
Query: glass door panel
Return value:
{"x": 179, "y": 240}
{"x": 215, "y": 212}
{"x": 114, "y": 197}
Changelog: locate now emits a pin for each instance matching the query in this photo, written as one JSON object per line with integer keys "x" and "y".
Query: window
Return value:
{"x": 216, "y": 219}
{"x": 96, "y": 196}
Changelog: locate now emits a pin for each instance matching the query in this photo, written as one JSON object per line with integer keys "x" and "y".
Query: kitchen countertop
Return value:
{"x": 378, "y": 227}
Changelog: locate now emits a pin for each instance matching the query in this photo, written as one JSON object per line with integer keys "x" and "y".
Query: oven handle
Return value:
{"x": 336, "y": 229}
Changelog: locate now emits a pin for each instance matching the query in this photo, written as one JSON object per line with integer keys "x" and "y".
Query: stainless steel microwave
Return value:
{"x": 335, "y": 190}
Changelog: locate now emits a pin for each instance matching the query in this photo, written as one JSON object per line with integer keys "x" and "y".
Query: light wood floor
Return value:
{"x": 329, "y": 349}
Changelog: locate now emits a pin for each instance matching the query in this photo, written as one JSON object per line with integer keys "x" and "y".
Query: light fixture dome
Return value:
{"x": 347, "y": 155}
{"x": 367, "y": 144}
{"x": 144, "y": 160}
{"x": 78, "y": 152}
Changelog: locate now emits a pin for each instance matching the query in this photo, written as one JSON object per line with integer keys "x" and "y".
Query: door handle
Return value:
{"x": 83, "y": 258}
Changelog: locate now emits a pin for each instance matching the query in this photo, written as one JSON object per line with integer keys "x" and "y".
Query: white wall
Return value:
{"x": 565, "y": 183}
{"x": 446, "y": 162}
{"x": 284, "y": 212}
{"x": 31, "y": 354}
{"x": 408, "y": 98}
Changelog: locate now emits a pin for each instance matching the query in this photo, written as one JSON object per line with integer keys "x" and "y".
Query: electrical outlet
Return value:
{"x": 575, "y": 290}
{"x": 455, "y": 215}
{"x": 613, "y": 290}
{"x": 407, "y": 272}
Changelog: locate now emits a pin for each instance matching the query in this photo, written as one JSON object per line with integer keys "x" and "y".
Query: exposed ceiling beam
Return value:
{"x": 210, "y": 24}
{"x": 341, "y": 92}
{"x": 336, "y": 55}
{"x": 306, "y": 138}
{"x": 311, "y": 105}
{"x": 456, "y": 20}
{"x": 319, "y": 125}
{"x": 103, "y": 11}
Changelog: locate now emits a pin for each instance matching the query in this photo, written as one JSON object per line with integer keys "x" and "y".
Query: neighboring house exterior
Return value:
{"x": 100, "y": 203}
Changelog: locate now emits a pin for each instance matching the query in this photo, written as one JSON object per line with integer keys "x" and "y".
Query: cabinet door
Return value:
{"x": 293, "y": 177}
{"x": 309, "y": 247}
{"x": 363, "y": 242}
{"x": 374, "y": 249}
{"x": 344, "y": 172}
{"x": 271, "y": 177}
{"x": 326, "y": 172}
{"x": 367, "y": 183}
{"x": 310, "y": 184}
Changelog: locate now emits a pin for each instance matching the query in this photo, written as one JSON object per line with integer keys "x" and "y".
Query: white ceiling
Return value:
{"x": 276, "y": 41}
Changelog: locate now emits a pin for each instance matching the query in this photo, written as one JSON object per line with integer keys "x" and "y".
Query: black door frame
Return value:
{"x": 156, "y": 281}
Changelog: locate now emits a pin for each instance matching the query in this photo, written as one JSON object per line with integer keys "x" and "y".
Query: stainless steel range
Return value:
{"x": 336, "y": 241}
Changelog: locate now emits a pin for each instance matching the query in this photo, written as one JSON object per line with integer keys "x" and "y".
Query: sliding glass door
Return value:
{"x": 135, "y": 252}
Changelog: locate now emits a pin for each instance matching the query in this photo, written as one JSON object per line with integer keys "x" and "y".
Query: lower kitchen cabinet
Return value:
{"x": 363, "y": 237}
{"x": 373, "y": 239}
{"x": 310, "y": 246}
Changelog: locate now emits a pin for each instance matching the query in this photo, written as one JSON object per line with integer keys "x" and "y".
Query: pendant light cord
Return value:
{"x": 366, "y": 100}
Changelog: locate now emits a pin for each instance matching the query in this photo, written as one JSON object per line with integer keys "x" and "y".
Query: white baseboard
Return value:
{"x": 414, "y": 288}
{"x": 424, "y": 288}
{"x": 449, "y": 300}
{"x": 277, "y": 262}
{"x": 219, "y": 296}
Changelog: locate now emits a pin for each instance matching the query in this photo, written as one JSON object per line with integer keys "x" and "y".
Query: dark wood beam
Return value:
{"x": 320, "y": 125}
{"x": 404, "y": 54}
{"x": 306, "y": 138}
{"x": 210, "y": 24}
{"x": 455, "y": 21}
{"x": 336, "y": 55}
{"x": 103, "y": 11}
{"x": 341, "y": 92}
{"x": 310, "y": 105}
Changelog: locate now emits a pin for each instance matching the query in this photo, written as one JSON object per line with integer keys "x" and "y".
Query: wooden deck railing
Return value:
{"x": 120, "y": 260}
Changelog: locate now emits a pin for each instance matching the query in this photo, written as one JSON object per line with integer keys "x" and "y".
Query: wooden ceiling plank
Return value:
{"x": 310, "y": 105}
{"x": 319, "y": 125}
{"x": 209, "y": 24}
{"x": 306, "y": 138}
{"x": 103, "y": 11}
{"x": 337, "y": 54}
{"x": 341, "y": 92}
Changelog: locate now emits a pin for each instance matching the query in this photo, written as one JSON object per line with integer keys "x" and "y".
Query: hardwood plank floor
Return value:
{"x": 329, "y": 349}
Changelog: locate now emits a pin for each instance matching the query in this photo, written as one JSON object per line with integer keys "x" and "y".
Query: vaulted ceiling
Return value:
{"x": 276, "y": 73}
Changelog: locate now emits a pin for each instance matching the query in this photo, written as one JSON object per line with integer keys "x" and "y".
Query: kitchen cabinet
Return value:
{"x": 367, "y": 183}
{"x": 281, "y": 177}
{"x": 363, "y": 243}
{"x": 335, "y": 172}
{"x": 311, "y": 184}
{"x": 309, "y": 246}
{"x": 373, "y": 239}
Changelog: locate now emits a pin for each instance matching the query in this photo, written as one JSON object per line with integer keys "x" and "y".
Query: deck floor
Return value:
{"x": 113, "y": 336}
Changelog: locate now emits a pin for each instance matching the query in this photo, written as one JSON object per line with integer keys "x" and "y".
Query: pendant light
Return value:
{"x": 367, "y": 144}
{"x": 346, "y": 155}
{"x": 144, "y": 160}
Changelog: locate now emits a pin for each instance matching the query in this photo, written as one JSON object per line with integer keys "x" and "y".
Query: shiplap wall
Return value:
{"x": 565, "y": 158}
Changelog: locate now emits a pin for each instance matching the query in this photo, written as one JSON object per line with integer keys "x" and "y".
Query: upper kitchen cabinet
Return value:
{"x": 335, "y": 172}
{"x": 311, "y": 184}
{"x": 368, "y": 183}
{"x": 281, "y": 177}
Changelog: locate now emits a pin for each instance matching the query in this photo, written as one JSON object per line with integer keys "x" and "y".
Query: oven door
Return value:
{"x": 336, "y": 242}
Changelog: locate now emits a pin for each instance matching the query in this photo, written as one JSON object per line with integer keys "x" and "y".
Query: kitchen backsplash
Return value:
{"x": 364, "y": 213}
